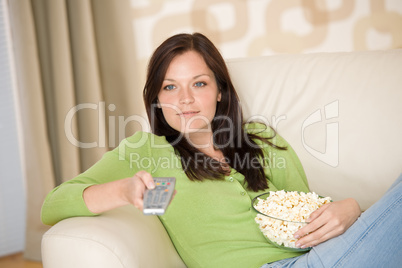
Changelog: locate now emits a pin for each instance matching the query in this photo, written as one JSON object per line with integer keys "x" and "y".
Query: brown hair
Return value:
{"x": 233, "y": 146}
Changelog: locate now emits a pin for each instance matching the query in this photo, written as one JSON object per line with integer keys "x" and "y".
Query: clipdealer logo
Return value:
{"x": 331, "y": 154}
{"x": 113, "y": 127}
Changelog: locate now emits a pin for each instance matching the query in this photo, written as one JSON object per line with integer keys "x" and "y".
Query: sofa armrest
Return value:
{"x": 122, "y": 237}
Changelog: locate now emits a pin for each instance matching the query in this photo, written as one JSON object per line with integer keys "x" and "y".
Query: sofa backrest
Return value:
{"x": 341, "y": 112}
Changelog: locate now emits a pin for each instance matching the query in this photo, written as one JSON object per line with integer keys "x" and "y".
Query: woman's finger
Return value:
{"x": 316, "y": 238}
{"x": 140, "y": 181}
{"x": 316, "y": 221}
{"x": 146, "y": 178}
{"x": 317, "y": 213}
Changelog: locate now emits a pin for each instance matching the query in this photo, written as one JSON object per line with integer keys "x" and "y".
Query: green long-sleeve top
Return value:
{"x": 211, "y": 223}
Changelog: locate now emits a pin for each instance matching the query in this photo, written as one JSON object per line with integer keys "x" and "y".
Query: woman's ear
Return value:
{"x": 219, "y": 96}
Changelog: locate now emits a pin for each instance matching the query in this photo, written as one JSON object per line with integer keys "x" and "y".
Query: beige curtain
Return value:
{"x": 76, "y": 74}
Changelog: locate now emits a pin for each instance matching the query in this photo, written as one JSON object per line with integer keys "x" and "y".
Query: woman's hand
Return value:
{"x": 103, "y": 197}
{"x": 327, "y": 222}
{"x": 134, "y": 191}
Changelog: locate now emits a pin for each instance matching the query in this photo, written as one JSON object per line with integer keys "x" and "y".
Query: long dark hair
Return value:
{"x": 235, "y": 144}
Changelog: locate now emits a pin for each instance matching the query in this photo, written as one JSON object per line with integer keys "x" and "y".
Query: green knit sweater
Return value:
{"x": 211, "y": 223}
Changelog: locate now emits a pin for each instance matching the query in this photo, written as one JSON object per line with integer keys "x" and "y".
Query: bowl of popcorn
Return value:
{"x": 282, "y": 213}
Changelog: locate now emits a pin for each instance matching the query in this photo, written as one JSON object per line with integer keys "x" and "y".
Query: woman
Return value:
{"x": 219, "y": 162}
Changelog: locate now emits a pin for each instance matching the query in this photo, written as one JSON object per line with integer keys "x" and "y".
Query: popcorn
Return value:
{"x": 292, "y": 208}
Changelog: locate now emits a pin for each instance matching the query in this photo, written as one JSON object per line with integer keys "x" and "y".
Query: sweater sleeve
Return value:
{"x": 66, "y": 200}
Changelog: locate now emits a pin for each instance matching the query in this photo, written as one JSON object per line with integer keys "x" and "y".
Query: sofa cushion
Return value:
{"x": 341, "y": 112}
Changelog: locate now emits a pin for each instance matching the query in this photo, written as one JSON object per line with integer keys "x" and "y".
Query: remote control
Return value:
{"x": 157, "y": 199}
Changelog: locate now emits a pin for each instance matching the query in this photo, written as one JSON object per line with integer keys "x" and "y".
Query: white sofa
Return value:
{"x": 341, "y": 112}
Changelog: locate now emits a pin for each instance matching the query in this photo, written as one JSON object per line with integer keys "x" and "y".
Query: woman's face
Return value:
{"x": 189, "y": 94}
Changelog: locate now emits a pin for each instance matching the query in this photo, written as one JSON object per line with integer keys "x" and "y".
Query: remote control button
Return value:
{"x": 157, "y": 200}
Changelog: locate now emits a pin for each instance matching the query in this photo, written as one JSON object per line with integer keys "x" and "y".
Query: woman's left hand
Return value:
{"x": 328, "y": 221}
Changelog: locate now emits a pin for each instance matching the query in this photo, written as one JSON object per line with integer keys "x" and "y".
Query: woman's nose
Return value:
{"x": 186, "y": 97}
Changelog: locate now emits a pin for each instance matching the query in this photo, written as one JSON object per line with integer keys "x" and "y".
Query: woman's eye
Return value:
{"x": 199, "y": 84}
{"x": 169, "y": 87}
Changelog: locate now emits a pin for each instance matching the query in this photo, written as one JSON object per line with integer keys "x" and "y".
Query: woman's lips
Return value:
{"x": 188, "y": 113}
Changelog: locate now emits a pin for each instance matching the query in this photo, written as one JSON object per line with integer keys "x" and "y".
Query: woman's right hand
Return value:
{"x": 136, "y": 186}
{"x": 103, "y": 197}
